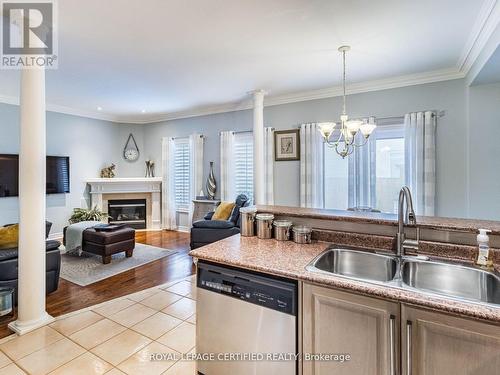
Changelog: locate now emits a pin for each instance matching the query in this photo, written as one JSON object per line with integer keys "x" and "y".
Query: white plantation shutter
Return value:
{"x": 167, "y": 186}
{"x": 182, "y": 173}
{"x": 243, "y": 164}
{"x": 226, "y": 166}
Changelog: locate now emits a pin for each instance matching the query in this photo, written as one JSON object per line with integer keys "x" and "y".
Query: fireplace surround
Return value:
{"x": 104, "y": 190}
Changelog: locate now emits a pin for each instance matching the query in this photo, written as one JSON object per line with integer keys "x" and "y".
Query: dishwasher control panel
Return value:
{"x": 279, "y": 295}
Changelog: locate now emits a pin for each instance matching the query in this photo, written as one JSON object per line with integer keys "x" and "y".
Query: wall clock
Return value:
{"x": 131, "y": 151}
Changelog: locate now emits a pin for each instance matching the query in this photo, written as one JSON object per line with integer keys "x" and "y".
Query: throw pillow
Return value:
{"x": 223, "y": 211}
{"x": 241, "y": 201}
{"x": 9, "y": 236}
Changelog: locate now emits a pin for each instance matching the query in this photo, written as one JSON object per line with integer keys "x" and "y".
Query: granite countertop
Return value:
{"x": 288, "y": 259}
{"x": 444, "y": 223}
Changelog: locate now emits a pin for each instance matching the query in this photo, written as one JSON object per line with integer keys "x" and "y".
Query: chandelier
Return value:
{"x": 345, "y": 142}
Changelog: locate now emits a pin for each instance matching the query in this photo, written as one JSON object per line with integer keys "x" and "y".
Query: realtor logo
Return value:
{"x": 28, "y": 34}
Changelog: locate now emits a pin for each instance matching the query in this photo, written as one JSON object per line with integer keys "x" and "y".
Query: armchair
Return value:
{"x": 9, "y": 265}
{"x": 206, "y": 231}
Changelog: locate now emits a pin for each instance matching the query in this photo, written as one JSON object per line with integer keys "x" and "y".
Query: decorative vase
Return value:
{"x": 150, "y": 168}
{"x": 211, "y": 184}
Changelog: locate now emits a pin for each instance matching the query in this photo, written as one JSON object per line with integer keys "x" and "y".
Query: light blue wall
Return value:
{"x": 210, "y": 126}
{"x": 484, "y": 150}
{"x": 90, "y": 144}
{"x": 451, "y": 135}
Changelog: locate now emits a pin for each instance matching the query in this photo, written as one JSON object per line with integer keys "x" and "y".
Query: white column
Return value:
{"x": 258, "y": 147}
{"x": 31, "y": 312}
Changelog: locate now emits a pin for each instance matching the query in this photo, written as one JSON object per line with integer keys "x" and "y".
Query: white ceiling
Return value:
{"x": 167, "y": 56}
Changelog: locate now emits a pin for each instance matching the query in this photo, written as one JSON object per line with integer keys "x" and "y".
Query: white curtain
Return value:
{"x": 311, "y": 167}
{"x": 269, "y": 165}
{"x": 362, "y": 179}
{"x": 168, "y": 192}
{"x": 196, "y": 175}
{"x": 420, "y": 160}
{"x": 227, "y": 166}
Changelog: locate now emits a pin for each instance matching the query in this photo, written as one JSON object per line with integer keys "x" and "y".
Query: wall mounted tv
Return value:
{"x": 57, "y": 169}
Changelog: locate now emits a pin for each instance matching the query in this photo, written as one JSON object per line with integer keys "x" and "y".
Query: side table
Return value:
{"x": 201, "y": 207}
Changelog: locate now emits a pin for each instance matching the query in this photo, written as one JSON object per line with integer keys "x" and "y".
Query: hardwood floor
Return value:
{"x": 71, "y": 297}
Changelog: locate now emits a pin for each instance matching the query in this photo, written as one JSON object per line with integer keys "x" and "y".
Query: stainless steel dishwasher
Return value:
{"x": 246, "y": 323}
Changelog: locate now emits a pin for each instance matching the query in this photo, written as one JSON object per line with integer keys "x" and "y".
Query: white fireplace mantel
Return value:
{"x": 130, "y": 185}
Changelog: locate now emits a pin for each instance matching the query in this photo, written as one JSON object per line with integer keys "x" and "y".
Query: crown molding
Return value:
{"x": 368, "y": 86}
{"x": 245, "y": 104}
{"x": 355, "y": 88}
{"x": 485, "y": 25}
{"x": 195, "y": 112}
{"x": 66, "y": 110}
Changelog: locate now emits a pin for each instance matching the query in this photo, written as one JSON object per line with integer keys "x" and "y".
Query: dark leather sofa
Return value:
{"x": 204, "y": 232}
{"x": 9, "y": 265}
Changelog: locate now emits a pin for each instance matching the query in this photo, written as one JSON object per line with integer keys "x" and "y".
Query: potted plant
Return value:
{"x": 82, "y": 214}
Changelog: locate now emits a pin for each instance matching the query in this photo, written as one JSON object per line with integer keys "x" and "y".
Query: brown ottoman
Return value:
{"x": 106, "y": 244}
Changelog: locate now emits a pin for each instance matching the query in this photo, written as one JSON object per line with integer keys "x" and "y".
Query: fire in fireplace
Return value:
{"x": 128, "y": 211}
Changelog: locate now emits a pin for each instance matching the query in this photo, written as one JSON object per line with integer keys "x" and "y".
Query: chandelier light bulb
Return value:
{"x": 353, "y": 125}
{"x": 326, "y": 129}
{"x": 367, "y": 129}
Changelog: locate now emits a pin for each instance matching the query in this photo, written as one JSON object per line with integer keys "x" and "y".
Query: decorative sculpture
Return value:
{"x": 108, "y": 172}
{"x": 150, "y": 168}
{"x": 211, "y": 184}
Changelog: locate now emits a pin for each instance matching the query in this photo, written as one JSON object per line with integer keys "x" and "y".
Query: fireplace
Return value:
{"x": 103, "y": 190}
{"x": 128, "y": 211}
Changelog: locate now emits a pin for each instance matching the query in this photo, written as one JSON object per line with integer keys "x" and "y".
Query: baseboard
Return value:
{"x": 182, "y": 228}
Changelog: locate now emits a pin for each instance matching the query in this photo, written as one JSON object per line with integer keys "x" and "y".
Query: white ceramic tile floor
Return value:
{"x": 117, "y": 337}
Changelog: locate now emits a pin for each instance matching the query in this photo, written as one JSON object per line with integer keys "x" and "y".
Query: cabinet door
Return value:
{"x": 435, "y": 343}
{"x": 337, "y": 322}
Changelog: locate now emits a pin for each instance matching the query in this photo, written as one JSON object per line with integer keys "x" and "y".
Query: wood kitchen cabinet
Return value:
{"x": 437, "y": 343}
{"x": 338, "y": 322}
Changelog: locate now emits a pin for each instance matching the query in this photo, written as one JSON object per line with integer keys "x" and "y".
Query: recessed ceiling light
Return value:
{"x": 99, "y": 108}
{"x": 143, "y": 111}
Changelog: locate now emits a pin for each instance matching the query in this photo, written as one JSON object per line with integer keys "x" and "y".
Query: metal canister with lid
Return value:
{"x": 264, "y": 225}
{"x": 282, "y": 229}
{"x": 247, "y": 225}
{"x": 302, "y": 234}
{"x": 6, "y": 300}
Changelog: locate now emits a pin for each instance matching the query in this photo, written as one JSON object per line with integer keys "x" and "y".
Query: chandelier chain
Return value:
{"x": 344, "y": 111}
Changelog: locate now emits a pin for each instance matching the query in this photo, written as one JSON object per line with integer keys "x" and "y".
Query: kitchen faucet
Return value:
{"x": 406, "y": 216}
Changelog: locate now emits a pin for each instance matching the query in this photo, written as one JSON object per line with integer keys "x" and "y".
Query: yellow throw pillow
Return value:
{"x": 9, "y": 236}
{"x": 223, "y": 211}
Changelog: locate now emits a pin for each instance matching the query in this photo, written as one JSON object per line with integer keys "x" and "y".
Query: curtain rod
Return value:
{"x": 242, "y": 131}
{"x": 187, "y": 137}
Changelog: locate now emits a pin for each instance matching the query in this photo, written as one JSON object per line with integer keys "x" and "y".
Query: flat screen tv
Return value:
{"x": 57, "y": 169}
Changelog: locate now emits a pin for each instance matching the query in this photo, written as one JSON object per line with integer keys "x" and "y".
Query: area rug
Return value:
{"x": 88, "y": 268}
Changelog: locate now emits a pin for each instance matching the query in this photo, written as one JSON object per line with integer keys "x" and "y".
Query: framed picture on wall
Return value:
{"x": 287, "y": 145}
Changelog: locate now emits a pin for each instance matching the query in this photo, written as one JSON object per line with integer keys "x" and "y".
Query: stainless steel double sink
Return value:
{"x": 447, "y": 279}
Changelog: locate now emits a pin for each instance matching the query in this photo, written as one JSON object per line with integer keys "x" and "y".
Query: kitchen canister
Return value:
{"x": 282, "y": 229}
{"x": 301, "y": 234}
{"x": 247, "y": 225}
{"x": 6, "y": 300}
{"x": 264, "y": 225}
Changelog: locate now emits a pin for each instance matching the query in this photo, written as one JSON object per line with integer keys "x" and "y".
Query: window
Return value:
{"x": 383, "y": 173}
{"x": 243, "y": 162}
{"x": 389, "y": 169}
{"x": 336, "y": 172}
{"x": 182, "y": 172}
